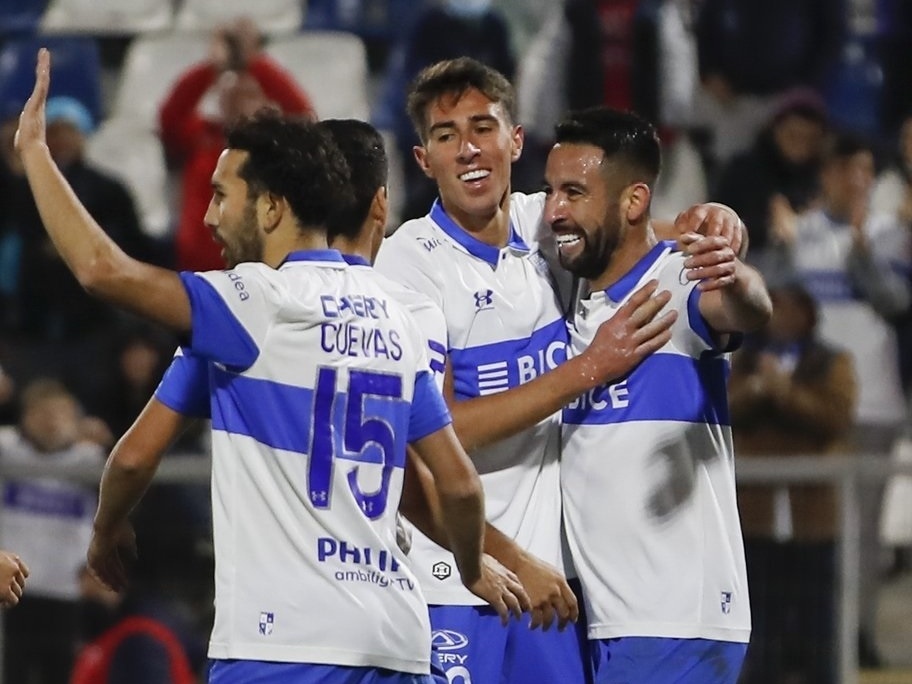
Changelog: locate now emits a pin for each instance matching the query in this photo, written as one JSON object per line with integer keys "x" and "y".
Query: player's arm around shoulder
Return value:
{"x": 741, "y": 305}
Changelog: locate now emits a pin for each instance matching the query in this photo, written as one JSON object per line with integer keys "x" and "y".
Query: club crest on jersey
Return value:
{"x": 441, "y": 570}
{"x": 266, "y": 622}
{"x": 484, "y": 299}
{"x": 726, "y": 602}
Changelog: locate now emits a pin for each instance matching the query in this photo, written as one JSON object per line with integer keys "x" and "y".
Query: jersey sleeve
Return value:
{"x": 232, "y": 313}
{"x": 184, "y": 387}
{"x": 429, "y": 411}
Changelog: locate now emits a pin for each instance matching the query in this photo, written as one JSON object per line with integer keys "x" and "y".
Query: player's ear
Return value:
{"x": 270, "y": 210}
{"x": 518, "y": 137}
{"x": 421, "y": 157}
{"x": 635, "y": 202}
{"x": 379, "y": 208}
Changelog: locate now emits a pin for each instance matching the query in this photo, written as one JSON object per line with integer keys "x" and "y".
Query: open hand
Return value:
{"x": 712, "y": 219}
{"x": 550, "y": 595}
{"x": 31, "y": 131}
{"x": 632, "y": 334}
{"x": 501, "y": 589}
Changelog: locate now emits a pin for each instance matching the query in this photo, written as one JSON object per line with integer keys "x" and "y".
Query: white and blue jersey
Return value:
{"x": 504, "y": 327}
{"x": 316, "y": 382}
{"x": 648, "y": 478}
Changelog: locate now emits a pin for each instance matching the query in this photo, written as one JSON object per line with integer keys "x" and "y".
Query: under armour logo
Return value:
{"x": 484, "y": 299}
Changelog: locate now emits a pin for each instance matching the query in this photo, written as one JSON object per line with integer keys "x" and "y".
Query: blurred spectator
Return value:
{"x": 561, "y": 70}
{"x": 128, "y": 638}
{"x": 453, "y": 28}
{"x": 192, "y": 125}
{"x": 893, "y": 194}
{"x": 782, "y": 168}
{"x": 791, "y": 394}
{"x": 854, "y": 262}
{"x": 752, "y": 50}
{"x": 48, "y": 521}
{"x": 140, "y": 353}
{"x": 46, "y": 302}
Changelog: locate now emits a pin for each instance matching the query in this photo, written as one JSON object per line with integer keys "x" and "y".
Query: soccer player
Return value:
{"x": 316, "y": 383}
{"x": 482, "y": 255}
{"x": 648, "y": 471}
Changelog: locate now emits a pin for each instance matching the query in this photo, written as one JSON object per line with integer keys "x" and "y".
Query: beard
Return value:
{"x": 247, "y": 243}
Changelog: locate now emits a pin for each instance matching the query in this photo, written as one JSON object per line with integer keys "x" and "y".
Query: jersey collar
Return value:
{"x": 355, "y": 260}
{"x": 472, "y": 245}
{"x": 332, "y": 256}
{"x": 623, "y": 287}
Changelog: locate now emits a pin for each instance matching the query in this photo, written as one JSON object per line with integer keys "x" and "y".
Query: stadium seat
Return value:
{"x": 107, "y": 17}
{"x": 76, "y": 70}
{"x": 134, "y": 155}
{"x": 273, "y": 17}
{"x": 150, "y": 67}
{"x": 20, "y": 16}
{"x": 332, "y": 68}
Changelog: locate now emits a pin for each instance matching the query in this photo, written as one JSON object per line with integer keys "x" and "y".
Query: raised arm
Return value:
{"x": 99, "y": 265}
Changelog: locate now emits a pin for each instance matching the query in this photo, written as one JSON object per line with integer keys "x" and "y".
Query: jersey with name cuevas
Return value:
{"x": 648, "y": 478}
{"x": 504, "y": 327}
{"x": 317, "y": 381}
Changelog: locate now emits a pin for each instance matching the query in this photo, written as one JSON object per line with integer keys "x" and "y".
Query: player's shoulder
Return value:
{"x": 415, "y": 235}
{"x": 526, "y": 214}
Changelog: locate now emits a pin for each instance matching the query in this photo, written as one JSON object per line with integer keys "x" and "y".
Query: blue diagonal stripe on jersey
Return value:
{"x": 491, "y": 368}
{"x": 669, "y": 387}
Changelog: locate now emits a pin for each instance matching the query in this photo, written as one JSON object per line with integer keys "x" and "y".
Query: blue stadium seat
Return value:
{"x": 75, "y": 70}
{"x": 20, "y": 16}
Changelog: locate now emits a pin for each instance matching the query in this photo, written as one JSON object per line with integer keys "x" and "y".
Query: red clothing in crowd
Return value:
{"x": 196, "y": 143}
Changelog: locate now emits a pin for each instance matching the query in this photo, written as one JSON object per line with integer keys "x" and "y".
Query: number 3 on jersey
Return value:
{"x": 368, "y": 424}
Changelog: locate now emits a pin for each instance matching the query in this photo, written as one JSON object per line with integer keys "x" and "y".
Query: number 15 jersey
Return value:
{"x": 317, "y": 381}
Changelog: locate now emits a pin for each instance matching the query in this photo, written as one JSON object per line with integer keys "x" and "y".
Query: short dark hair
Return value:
{"x": 295, "y": 159}
{"x": 843, "y": 145}
{"x": 362, "y": 146}
{"x": 455, "y": 77}
{"x": 622, "y": 136}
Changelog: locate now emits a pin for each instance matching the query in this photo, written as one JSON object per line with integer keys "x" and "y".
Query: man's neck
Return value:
{"x": 359, "y": 247}
{"x": 492, "y": 229}
{"x": 635, "y": 245}
{"x": 277, "y": 250}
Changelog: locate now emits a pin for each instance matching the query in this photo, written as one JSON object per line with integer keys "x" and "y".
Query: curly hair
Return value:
{"x": 295, "y": 159}
{"x": 362, "y": 146}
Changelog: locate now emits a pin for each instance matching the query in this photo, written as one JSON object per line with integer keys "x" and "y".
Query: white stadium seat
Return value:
{"x": 273, "y": 17}
{"x": 134, "y": 155}
{"x": 150, "y": 67}
{"x": 331, "y": 67}
{"x": 103, "y": 17}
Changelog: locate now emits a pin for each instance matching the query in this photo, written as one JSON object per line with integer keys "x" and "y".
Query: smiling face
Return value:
{"x": 583, "y": 208}
{"x": 231, "y": 214}
{"x": 469, "y": 147}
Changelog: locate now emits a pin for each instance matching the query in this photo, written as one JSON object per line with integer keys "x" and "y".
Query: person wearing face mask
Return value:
{"x": 241, "y": 78}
